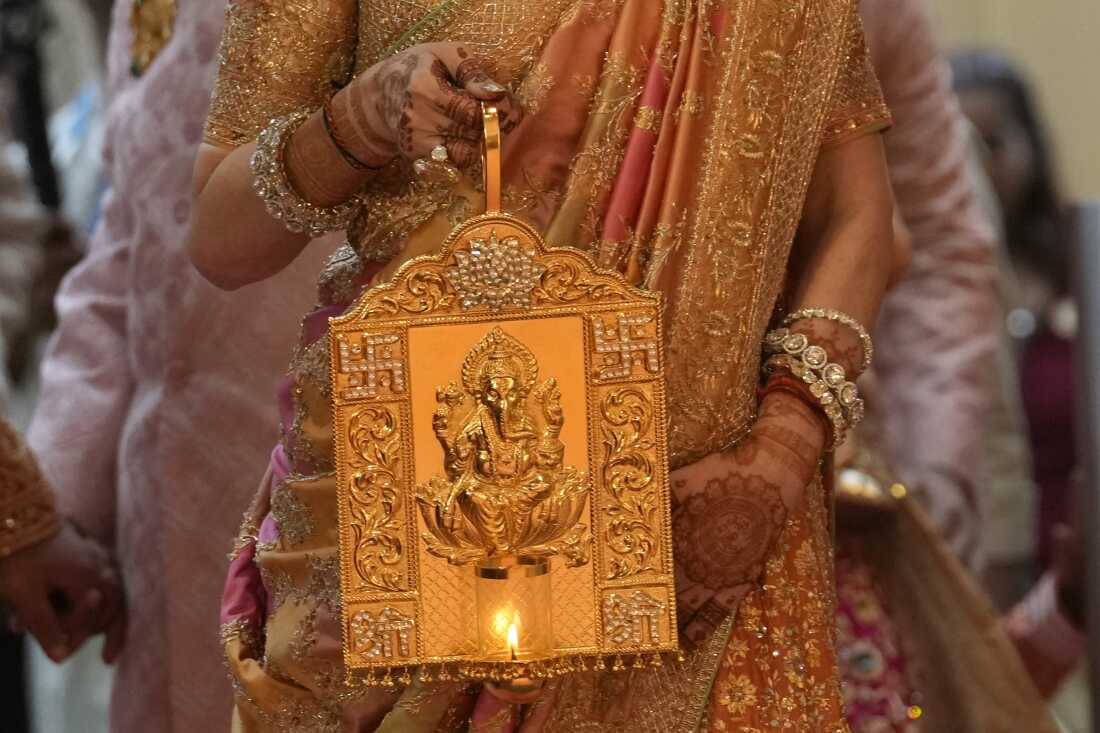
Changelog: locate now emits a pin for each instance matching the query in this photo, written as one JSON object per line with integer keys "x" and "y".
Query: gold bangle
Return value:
{"x": 831, "y": 314}
{"x": 274, "y": 188}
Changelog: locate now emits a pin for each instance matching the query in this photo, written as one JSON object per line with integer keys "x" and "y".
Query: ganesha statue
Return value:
{"x": 506, "y": 490}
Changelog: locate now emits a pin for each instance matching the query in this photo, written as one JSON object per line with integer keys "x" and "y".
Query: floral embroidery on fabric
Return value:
{"x": 294, "y": 518}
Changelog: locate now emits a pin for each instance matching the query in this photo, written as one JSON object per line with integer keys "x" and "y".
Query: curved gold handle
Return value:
{"x": 491, "y": 153}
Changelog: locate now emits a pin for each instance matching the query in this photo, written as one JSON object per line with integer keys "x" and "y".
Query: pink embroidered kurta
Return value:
{"x": 937, "y": 334}
{"x": 157, "y": 411}
{"x": 935, "y": 344}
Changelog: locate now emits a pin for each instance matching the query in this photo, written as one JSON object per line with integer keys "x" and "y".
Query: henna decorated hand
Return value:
{"x": 731, "y": 507}
{"x": 427, "y": 96}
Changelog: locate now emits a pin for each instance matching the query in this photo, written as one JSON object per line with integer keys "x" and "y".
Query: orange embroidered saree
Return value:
{"x": 674, "y": 140}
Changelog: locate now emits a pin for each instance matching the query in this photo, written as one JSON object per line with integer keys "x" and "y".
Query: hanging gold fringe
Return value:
{"x": 504, "y": 670}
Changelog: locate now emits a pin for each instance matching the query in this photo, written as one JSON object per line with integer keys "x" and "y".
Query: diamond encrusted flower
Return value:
{"x": 496, "y": 273}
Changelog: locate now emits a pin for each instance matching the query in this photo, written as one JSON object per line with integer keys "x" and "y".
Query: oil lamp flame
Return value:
{"x": 513, "y": 639}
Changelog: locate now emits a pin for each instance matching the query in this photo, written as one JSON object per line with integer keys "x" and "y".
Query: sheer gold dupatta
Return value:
{"x": 675, "y": 141}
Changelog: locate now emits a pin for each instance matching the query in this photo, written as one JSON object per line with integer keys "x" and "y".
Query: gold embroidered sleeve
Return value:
{"x": 857, "y": 107}
{"x": 27, "y": 510}
{"x": 277, "y": 57}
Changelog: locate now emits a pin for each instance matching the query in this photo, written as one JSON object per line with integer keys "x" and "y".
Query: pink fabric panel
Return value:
{"x": 244, "y": 596}
{"x": 280, "y": 464}
{"x": 631, "y": 183}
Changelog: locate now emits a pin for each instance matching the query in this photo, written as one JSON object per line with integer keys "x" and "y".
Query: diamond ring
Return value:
{"x": 439, "y": 154}
{"x": 433, "y": 172}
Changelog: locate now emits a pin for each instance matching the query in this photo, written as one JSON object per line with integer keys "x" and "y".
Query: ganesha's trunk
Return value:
{"x": 514, "y": 423}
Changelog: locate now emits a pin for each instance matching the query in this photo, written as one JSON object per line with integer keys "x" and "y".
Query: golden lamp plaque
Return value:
{"x": 499, "y": 414}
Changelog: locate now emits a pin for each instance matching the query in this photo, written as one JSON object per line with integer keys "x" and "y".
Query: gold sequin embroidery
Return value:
{"x": 648, "y": 119}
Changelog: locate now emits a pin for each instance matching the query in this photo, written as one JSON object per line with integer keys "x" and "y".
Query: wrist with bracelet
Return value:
{"x": 793, "y": 363}
{"x": 839, "y": 317}
{"x": 338, "y": 140}
{"x": 273, "y": 185}
{"x": 781, "y": 382}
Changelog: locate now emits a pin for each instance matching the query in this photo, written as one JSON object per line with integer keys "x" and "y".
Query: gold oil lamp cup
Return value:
{"x": 517, "y": 686}
{"x": 514, "y": 609}
{"x": 515, "y": 622}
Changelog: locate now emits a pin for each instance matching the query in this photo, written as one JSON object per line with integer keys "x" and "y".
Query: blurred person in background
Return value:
{"x": 54, "y": 582}
{"x": 1020, "y": 166}
{"x": 37, "y": 246}
{"x": 937, "y": 333}
{"x": 903, "y": 557}
{"x": 22, "y": 26}
{"x": 152, "y": 397}
{"x": 904, "y": 598}
{"x": 1048, "y": 625}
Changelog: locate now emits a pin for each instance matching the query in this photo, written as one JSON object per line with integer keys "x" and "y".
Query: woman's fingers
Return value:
{"x": 712, "y": 614}
{"x": 462, "y": 152}
{"x": 471, "y": 77}
{"x": 38, "y": 617}
{"x": 434, "y": 130}
{"x": 441, "y": 115}
{"x": 428, "y": 96}
{"x": 454, "y": 102}
{"x": 515, "y": 694}
{"x": 116, "y": 638}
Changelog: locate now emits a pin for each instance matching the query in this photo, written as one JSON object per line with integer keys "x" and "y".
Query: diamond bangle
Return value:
{"x": 281, "y": 200}
{"x": 831, "y": 314}
{"x": 825, "y": 397}
{"x": 827, "y": 382}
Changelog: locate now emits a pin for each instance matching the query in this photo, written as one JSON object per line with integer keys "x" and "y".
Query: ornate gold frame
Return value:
{"x": 402, "y": 607}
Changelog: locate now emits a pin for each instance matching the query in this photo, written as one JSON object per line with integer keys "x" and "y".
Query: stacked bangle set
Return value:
{"x": 793, "y": 353}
